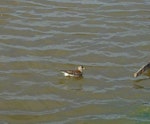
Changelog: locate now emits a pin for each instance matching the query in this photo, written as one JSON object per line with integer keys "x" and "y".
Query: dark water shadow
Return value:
{"x": 71, "y": 83}
{"x": 140, "y": 80}
{"x": 140, "y": 86}
{"x": 138, "y": 83}
{"x": 66, "y": 79}
{"x": 137, "y": 86}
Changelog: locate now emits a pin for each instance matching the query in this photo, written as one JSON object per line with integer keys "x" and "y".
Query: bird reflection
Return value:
{"x": 71, "y": 83}
{"x": 136, "y": 84}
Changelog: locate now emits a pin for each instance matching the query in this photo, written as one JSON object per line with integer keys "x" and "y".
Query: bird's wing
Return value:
{"x": 142, "y": 70}
{"x": 77, "y": 73}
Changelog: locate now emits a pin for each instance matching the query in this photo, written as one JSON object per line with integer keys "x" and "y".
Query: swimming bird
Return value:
{"x": 142, "y": 70}
{"x": 74, "y": 73}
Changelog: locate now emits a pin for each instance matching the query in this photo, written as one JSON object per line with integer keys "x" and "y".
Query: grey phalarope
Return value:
{"x": 74, "y": 73}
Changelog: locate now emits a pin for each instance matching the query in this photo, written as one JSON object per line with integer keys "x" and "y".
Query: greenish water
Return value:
{"x": 40, "y": 38}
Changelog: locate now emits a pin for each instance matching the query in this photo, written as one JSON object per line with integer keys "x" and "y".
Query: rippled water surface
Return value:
{"x": 38, "y": 38}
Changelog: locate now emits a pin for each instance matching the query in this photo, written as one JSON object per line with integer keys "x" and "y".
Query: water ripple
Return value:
{"x": 40, "y": 38}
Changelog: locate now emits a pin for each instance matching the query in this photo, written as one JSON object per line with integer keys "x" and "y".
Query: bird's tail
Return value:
{"x": 142, "y": 70}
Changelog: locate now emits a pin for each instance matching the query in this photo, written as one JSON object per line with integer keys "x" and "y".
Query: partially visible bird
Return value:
{"x": 142, "y": 70}
{"x": 74, "y": 73}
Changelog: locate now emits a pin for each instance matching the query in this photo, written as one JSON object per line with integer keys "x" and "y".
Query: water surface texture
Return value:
{"x": 38, "y": 38}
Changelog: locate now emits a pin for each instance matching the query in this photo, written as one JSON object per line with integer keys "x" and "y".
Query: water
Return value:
{"x": 40, "y": 38}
